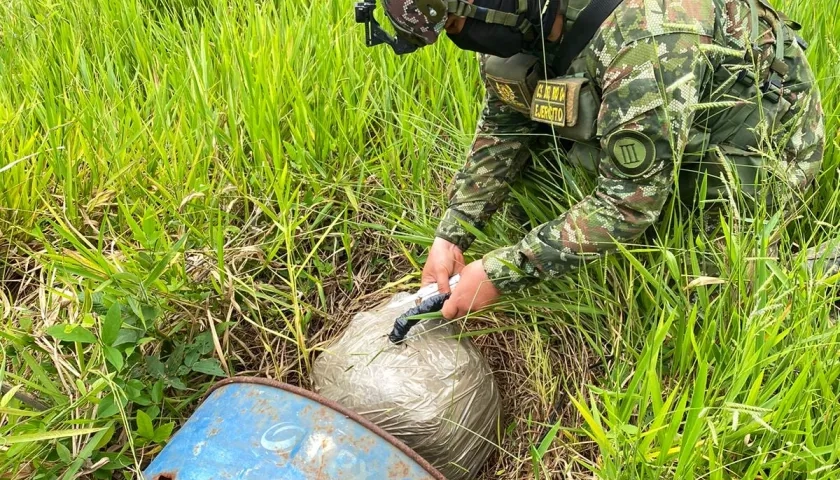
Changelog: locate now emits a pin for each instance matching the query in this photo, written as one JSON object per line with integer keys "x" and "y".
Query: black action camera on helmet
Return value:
{"x": 374, "y": 34}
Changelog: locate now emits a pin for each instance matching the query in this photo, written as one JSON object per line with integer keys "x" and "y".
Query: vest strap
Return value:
{"x": 583, "y": 29}
{"x": 516, "y": 20}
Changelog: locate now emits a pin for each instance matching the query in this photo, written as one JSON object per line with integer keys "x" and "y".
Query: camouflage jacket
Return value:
{"x": 669, "y": 76}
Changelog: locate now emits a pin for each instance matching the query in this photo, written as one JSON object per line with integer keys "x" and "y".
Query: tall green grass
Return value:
{"x": 194, "y": 189}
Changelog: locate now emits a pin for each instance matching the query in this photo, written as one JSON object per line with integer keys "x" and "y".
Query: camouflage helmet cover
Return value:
{"x": 417, "y": 21}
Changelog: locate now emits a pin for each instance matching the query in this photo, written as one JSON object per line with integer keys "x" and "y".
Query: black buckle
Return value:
{"x": 772, "y": 88}
{"x": 746, "y": 77}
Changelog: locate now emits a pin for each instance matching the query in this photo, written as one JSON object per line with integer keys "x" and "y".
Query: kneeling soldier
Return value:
{"x": 647, "y": 95}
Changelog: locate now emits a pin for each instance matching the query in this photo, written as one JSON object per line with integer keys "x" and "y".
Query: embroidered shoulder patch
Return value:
{"x": 632, "y": 152}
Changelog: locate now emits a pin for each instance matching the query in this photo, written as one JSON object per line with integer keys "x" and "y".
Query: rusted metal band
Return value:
{"x": 268, "y": 382}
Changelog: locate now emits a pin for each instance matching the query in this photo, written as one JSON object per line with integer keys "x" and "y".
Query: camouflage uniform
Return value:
{"x": 668, "y": 73}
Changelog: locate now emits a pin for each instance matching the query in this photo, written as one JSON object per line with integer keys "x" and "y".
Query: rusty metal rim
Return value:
{"x": 268, "y": 382}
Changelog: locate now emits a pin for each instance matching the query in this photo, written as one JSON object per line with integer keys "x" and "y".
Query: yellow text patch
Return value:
{"x": 549, "y": 104}
{"x": 557, "y": 101}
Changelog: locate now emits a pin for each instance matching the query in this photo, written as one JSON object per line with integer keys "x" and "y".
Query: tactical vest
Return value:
{"x": 750, "y": 86}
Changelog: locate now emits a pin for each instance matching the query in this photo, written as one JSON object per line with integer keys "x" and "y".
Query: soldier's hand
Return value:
{"x": 445, "y": 259}
{"x": 474, "y": 292}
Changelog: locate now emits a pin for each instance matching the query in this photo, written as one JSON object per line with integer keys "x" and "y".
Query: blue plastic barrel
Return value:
{"x": 254, "y": 428}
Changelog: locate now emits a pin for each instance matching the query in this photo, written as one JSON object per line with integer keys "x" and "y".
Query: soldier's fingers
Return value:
{"x": 442, "y": 280}
{"x": 449, "y": 310}
{"x": 458, "y": 266}
{"x": 428, "y": 277}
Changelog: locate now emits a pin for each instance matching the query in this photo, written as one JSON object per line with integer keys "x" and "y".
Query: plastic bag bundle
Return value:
{"x": 434, "y": 392}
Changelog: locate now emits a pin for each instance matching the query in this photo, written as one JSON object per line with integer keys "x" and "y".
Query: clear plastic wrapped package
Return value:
{"x": 435, "y": 391}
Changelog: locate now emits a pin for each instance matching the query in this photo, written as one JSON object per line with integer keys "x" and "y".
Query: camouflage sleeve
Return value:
{"x": 649, "y": 90}
{"x": 498, "y": 153}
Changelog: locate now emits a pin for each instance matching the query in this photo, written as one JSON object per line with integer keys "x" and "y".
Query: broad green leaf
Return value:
{"x": 144, "y": 425}
{"x": 203, "y": 343}
{"x": 190, "y": 358}
{"x": 153, "y": 412}
{"x": 63, "y": 452}
{"x": 176, "y": 358}
{"x": 155, "y": 366}
{"x": 108, "y": 407}
{"x": 163, "y": 432}
{"x": 136, "y": 389}
{"x": 176, "y": 383}
{"x": 157, "y": 391}
{"x": 114, "y": 357}
{"x": 100, "y": 441}
{"x": 210, "y": 366}
{"x": 111, "y": 324}
{"x": 71, "y": 333}
{"x": 149, "y": 313}
{"x": 130, "y": 335}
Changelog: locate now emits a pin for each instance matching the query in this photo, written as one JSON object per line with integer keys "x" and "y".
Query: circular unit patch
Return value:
{"x": 632, "y": 152}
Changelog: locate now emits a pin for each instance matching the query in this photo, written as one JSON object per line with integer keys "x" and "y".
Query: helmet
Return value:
{"x": 418, "y": 22}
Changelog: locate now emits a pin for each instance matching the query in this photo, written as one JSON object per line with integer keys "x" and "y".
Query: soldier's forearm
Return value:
{"x": 498, "y": 153}
{"x": 482, "y": 185}
{"x": 588, "y": 231}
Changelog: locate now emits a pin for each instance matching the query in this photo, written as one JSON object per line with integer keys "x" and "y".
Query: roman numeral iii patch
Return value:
{"x": 632, "y": 152}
